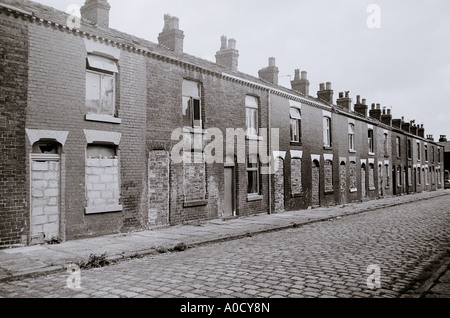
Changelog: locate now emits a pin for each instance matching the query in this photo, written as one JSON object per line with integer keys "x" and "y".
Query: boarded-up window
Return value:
{"x": 195, "y": 180}
{"x": 296, "y": 176}
{"x": 102, "y": 179}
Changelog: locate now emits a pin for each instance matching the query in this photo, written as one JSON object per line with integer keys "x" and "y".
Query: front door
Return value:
{"x": 45, "y": 197}
{"x": 229, "y": 201}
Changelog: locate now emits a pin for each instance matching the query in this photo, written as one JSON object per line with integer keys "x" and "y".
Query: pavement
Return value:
{"x": 40, "y": 260}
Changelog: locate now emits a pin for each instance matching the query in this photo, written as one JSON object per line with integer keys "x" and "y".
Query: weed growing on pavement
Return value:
{"x": 95, "y": 261}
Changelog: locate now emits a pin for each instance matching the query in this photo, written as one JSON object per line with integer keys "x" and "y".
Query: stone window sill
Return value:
{"x": 372, "y": 189}
{"x": 104, "y": 209}
{"x": 351, "y": 151}
{"x": 254, "y": 197}
{"x": 103, "y": 118}
{"x": 254, "y": 137}
{"x": 327, "y": 148}
{"x": 371, "y": 154}
{"x": 191, "y": 204}
{"x": 297, "y": 195}
{"x": 353, "y": 190}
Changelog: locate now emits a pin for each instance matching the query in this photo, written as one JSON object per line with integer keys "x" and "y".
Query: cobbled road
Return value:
{"x": 326, "y": 259}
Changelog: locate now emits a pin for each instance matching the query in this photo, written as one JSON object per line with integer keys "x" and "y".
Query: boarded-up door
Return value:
{"x": 315, "y": 189}
{"x": 363, "y": 181}
{"x": 343, "y": 182}
{"x": 158, "y": 188}
{"x": 279, "y": 185}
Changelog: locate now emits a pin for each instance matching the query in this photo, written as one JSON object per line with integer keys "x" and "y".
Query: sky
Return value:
{"x": 396, "y": 53}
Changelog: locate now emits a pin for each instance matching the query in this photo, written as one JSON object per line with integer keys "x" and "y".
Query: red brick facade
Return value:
{"x": 133, "y": 182}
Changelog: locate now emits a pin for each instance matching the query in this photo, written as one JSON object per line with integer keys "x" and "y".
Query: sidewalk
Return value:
{"x": 45, "y": 259}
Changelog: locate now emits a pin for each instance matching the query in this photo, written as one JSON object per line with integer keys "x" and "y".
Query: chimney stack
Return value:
{"x": 96, "y": 11}
{"x": 325, "y": 93}
{"x": 344, "y": 101}
{"x": 397, "y": 123}
{"x": 375, "y": 112}
{"x": 421, "y": 131}
{"x": 361, "y": 108}
{"x": 443, "y": 138}
{"x": 228, "y": 56}
{"x": 430, "y": 137}
{"x": 270, "y": 73}
{"x": 171, "y": 36}
{"x": 386, "y": 117}
{"x": 301, "y": 84}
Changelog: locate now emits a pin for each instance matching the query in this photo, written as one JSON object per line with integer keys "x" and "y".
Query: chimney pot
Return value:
{"x": 322, "y": 86}
{"x": 224, "y": 41}
{"x": 297, "y": 75}
{"x": 341, "y": 95}
{"x": 358, "y": 99}
{"x": 328, "y": 86}
{"x": 304, "y": 75}
{"x": 271, "y": 62}
{"x": 373, "y": 106}
{"x": 364, "y": 101}
{"x": 378, "y": 106}
{"x": 232, "y": 44}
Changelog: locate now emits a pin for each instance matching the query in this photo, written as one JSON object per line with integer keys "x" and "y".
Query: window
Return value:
{"x": 386, "y": 145}
{"x": 251, "y": 115}
{"x": 419, "y": 177}
{"x": 399, "y": 176}
{"x": 296, "y": 125}
{"x": 409, "y": 150}
{"x": 351, "y": 137}
{"x": 432, "y": 154}
{"x": 101, "y": 86}
{"x": 426, "y": 153}
{"x": 418, "y": 152}
{"x": 102, "y": 179}
{"x": 192, "y": 105}
{"x": 439, "y": 154}
{"x": 327, "y": 132}
{"x": 253, "y": 175}
{"x": 398, "y": 147}
{"x": 370, "y": 141}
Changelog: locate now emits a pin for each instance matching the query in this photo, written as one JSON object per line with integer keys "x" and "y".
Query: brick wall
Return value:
{"x": 279, "y": 186}
{"x": 14, "y": 214}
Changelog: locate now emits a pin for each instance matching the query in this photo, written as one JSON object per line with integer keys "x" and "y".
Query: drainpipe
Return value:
{"x": 269, "y": 146}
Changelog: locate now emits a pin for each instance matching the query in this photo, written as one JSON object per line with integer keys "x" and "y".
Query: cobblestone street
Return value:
{"x": 325, "y": 259}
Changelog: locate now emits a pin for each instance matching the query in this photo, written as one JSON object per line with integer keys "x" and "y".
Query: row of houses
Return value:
{"x": 103, "y": 132}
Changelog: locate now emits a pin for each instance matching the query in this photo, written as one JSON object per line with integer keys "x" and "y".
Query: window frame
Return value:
{"x": 297, "y": 122}
{"x": 101, "y": 73}
{"x": 327, "y": 138}
{"x": 253, "y": 170}
{"x": 252, "y": 131}
{"x": 398, "y": 144}
{"x": 371, "y": 141}
{"x": 351, "y": 138}
{"x": 191, "y": 104}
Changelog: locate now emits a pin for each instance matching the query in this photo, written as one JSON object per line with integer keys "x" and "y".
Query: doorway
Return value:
{"x": 229, "y": 193}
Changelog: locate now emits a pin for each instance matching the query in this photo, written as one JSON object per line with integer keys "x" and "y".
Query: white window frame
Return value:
{"x": 251, "y": 108}
{"x": 295, "y": 122}
{"x": 351, "y": 137}
{"x": 191, "y": 104}
{"x": 102, "y": 67}
{"x": 371, "y": 141}
{"x": 253, "y": 170}
{"x": 327, "y": 142}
